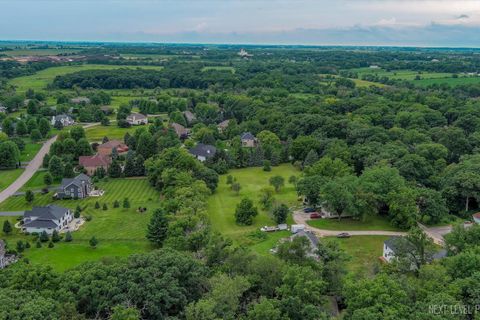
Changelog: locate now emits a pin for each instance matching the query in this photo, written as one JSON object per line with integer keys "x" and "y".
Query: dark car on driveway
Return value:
{"x": 315, "y": 215}
{"x": 308, "y": 210}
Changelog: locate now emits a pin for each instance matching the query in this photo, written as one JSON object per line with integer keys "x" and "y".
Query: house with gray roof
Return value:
{"x": 64, "y": 119}
{"x": 48, "y": 219}
{"x": 76, "y": 188}
{"x": 392, "y": 245}
{"x": 80, "y": 100}
{"x": 312, "y": 239}
{"x": 248, "y": 140}
{"x": 136, "y": 119}
{"x": 203, "y": 151}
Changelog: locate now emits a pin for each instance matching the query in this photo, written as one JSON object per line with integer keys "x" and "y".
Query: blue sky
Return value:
{"x": 334, "y": 22}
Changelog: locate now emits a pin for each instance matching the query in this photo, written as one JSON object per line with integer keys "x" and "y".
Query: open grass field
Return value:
{"x": 120, "y": 231}
{"x": 31, "y": 149}
{"x": 8, "y": 176}
{"x": 346, "y": 224}
{"x": 363, "y": 252}
{"x": 219, "y": 68}
{"x": 222, "y": 204}
{"x": 41, "y": 79}
{"x": 358, "y": 82}
{"x": 36, "y": 182}
{"x": 112, "y": 131}
{"x": 426, "y": 78}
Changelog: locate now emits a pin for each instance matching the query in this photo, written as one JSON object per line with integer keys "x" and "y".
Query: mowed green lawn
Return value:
{"x": 120, "y": 231}
{"x": 31, "y": 149}
{"x": 36, "y": 182}
{"x": 39, "y": 80}
{"x": 8, "y": 176}
{"x": 346, "y": 224}
{"x": 96, "y": 133}
{"x": 364, "y": 252}
{"x": 222, "y": 204}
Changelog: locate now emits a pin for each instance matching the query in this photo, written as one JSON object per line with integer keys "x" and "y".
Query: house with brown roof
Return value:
{"x": 92, "y": 163}
{"x": 222, "y": 126}
{"x": 106, "y": 148}
{"x": 180, "y": 130}
{"x": 189, "y": 117}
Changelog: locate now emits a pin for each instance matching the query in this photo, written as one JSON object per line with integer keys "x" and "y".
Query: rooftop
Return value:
{"x": 203, "y": 150}
{"x": 50, "y": 212}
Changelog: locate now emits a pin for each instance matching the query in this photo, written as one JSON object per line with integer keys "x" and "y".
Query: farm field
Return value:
{"x": 221, "y": 205}
{"x": 41, "y": 79}
{"x": 363, "y": 252}
{"x": 39, "y": 52}
{"x": 347, "y": 224}
{"x": 426, "y": 78}
{"x": 119, "y": 231}
{"x": 8, "y": 176}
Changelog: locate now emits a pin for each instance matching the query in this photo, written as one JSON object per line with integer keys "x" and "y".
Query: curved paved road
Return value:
{"x": 302, "y": 218}
{"x": 31, "y": 168}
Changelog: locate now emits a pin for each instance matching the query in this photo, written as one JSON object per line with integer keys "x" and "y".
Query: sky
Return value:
{"x": 449, "y": 23}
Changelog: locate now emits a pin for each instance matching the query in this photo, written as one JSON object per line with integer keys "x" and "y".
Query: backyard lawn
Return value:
{"x": 31, "y": 149}
{"x": 346, "y": 224}
{"x": 221, "y": 205}
{"x": 8, "y": 176}
{"x": 120, "y": 231}
{"x": 96, "y": 133}
{"x": 363, "y": 251}
{"x": 36, "y": 182}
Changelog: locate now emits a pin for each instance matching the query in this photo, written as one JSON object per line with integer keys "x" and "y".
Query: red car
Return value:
{"x": 315, "y": 215}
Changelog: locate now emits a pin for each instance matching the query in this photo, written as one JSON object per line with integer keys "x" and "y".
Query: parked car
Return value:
{"x": 315, "y": 215}
{"x": 343, "y": 235}
{"x": 308, "y": 210}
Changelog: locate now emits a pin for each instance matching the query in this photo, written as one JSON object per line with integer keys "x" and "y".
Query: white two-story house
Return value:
{"x": 46, "y": 219}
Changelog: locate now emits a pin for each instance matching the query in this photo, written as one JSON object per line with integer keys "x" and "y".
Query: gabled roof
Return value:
{"x": 37, "y": 223}
{"x": 77, "y": 181}
{"x": 310, "y": 236}
{"x": 203, "y": 150}
{"x": 112, "y": 144}
{"x": 80, "y": 99}
{"x": 137, "y": 116}
{"x": 224, "y": 124}
{"x": 50, "y": 212}
{"x": 62, "y": 116}
{"x": 179, "y": 129}
{"x": 247, "y": 136}
{"x": 94, "y": 161}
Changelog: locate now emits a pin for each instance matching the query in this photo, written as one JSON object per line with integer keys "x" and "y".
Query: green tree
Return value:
{"x": 338, "y": 195}
{"x": 93, "y": 242}
{"x": 245, "y": 212}
{"x": 29, "y": 196}
{"x": 35, "y": 135}
{"x": 267, "y": 197}
{"x": 310, "y": 159}
{"x": 77, "y": 133}
{"x": 126, "y": 203}
{"x": 68, "y": 237}
{"x": 277, "y": 182}
{"x": 267, "y": 165}
{"x": 236, "y": 187}
{"x": 44, "y": 127}
{"x": 21, "y": 128}
{"x": 157, "y": 229}
{"x": 280, "y": 213}
{"x": 47, "y": 179}
{"x": 9, "y": 154}
{"x": 97, "y": 205}
{"x": 44, "y": 236}
{"x": 55, "y": 167}
{"x": 265, "y": 309}
{"x": 116, "y": 204}
{"x": 124, "y": 313}
{"x": 7, "y": 227}
{"x": 55, "y": 236}
{"x": 115, "y": 170}
{"x": 104, "y": 207}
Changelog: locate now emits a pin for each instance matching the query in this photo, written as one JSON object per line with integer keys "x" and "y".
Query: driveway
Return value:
{"x": 301, "y": 218}
{"x": 32, "y": 167}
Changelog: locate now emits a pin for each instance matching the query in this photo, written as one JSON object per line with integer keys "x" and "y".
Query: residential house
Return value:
{"x": 136, "y": 119}
{"x": 77, "y": 188}
{"x": 180, "y": 130}
{"x": 3, "y": 252}
{"x": 106, "y": 148}
{"x": 248, "y": 140}
{"x": 203, "y": 151}
{"x": 64, "y": 119}
{"x": 222, "y": 126}
{"x": 92, "y": 163}
{"x": 80, "y": 100}
{"x": 189, "y": 117}
{"x": 3, "y": 109}
{"x": 393, "y": 244}
{"x": 46, "y": 219}
{"x": 312, "y": 240}
{"x": 476, "y": 218}
{"x": 107, "y": 110}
